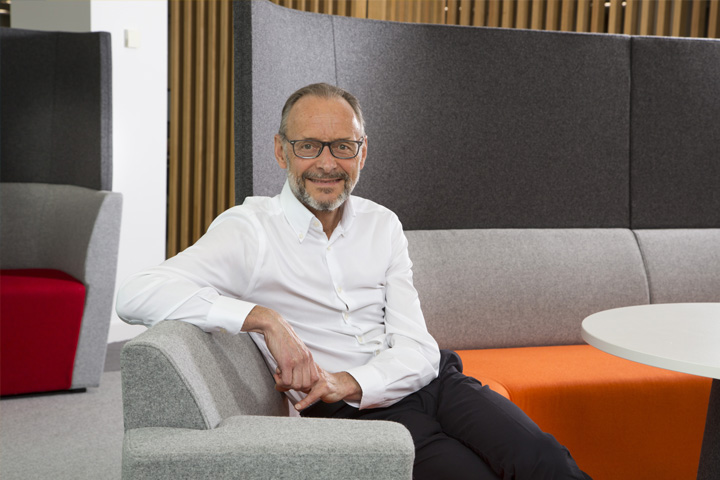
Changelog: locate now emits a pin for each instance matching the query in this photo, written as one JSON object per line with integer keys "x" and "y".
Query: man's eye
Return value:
{"x": 307, "y": 146}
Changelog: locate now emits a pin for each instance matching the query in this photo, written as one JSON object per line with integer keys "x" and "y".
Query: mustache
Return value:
{"x": 325, "y": 176}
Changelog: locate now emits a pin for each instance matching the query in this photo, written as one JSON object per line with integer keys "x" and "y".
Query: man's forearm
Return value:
{"x": 296, "y": 368}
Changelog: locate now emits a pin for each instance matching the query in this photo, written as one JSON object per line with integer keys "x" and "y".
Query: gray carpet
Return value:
{"x": 73, "y": 436}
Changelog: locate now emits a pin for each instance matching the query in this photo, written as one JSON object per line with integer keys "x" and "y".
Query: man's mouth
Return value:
{"x": 325, "y": 181}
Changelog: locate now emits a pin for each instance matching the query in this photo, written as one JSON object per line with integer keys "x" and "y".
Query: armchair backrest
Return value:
{"x": 56, "y": 108}
{"x": 176, "y": 375}
{"x": 63, "y": 227}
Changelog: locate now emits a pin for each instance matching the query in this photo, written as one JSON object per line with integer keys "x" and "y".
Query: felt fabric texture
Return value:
{"x": 491, "y": 288}
{"x": 682, "y": 264}
{"x": 259, "y": 447}
{"x": 176, "y": 375}
{"x": 675, "y": 109}
{"x": 56, "y": 105}
{"x": 490, "y": 128}
{"x": 620, "y": 420}
{"x": 41, "y": 311}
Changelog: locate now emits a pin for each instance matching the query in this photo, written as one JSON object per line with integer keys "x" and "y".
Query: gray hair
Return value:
{"x": 322, "y": 90}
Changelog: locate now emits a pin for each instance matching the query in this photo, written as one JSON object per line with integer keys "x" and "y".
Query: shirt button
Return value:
{"x": 316, "y": 224}
{"x": 339, "y": 289}
{"x": 300, "y": 236}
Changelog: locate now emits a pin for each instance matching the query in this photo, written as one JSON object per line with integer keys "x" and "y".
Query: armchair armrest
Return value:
{"x": 258, "y": 447}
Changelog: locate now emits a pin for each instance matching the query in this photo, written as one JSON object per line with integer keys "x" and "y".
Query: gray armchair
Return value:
{"x": 199, "y": 405}
{"x": 56, "y": 208}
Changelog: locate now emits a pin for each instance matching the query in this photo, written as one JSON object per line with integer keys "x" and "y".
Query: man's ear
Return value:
{"x": 363, "y": 153}
{"x": 280, "y": 151}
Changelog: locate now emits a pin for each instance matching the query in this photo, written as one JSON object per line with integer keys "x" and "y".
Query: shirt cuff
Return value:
{"x": 373, "y": 388}
{"x": 229, "y": 314}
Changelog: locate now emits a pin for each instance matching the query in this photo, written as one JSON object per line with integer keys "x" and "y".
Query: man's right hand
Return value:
{"x": 296, "y": 367}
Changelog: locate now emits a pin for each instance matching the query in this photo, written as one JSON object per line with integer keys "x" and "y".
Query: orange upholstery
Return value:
{"x": 619, "y": 419}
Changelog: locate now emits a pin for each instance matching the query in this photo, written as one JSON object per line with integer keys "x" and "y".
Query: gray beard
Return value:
{"x": 297, "y": 186}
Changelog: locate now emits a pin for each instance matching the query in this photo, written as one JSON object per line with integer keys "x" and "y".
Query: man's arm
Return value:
{"x": 413, "y": 359}
{"x": 296, "y": 368}
{"x": 203, "y": 286}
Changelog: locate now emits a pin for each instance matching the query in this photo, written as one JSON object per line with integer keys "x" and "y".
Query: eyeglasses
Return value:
{"x": 341, "y": 149}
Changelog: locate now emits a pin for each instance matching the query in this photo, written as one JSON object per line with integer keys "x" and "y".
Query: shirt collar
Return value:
{"x": 300, "y": 218}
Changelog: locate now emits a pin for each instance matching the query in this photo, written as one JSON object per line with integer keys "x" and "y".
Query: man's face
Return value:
{"x": 325, "y": 182}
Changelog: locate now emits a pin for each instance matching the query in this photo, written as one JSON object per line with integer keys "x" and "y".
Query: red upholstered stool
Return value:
{"x": 620, "y": 420}
{"x": 40, "y": 316}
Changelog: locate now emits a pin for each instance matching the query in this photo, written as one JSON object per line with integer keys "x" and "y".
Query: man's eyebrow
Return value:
{"x": 334, "y": 140}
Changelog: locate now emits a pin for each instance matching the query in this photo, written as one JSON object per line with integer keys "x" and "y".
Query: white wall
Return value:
{"x": 140, "y": 113}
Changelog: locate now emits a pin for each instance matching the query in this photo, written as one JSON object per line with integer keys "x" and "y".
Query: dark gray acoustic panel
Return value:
{"x": 277, "y": 51}
{"x": 468, "y": 127}
{"x": 477, "y": 127}
{"x": 56, "y": 108}
{"x": 675, "y": 153}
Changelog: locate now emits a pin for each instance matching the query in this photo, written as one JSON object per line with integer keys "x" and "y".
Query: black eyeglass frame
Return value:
{"x": 323, "y": 145}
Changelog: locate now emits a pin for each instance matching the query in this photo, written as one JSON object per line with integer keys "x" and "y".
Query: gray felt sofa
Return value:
{"x": 540, "y": 177}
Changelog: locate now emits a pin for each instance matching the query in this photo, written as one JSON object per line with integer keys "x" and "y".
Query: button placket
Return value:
{"x": 335, "y": 273}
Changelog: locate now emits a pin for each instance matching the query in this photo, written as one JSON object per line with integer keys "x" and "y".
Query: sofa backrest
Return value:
{"x": 56, "y": 108}
{"x": 474, "y": 127}
{"x": 176, "y": 375}
{"x": 682, "y": 265}
{"x": 495, "y": 288}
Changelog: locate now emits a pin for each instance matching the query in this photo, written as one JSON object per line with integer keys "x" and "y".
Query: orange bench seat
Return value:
{"x": 616, "y": 417}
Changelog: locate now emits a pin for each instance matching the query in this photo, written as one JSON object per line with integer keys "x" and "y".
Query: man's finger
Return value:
{"x": 311, "y": 398}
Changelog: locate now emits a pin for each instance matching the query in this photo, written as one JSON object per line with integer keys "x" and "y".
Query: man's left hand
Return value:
{"x": 331, "y": 388}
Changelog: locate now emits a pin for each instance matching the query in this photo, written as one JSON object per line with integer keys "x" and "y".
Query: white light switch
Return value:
{"x": 132, "y": 38}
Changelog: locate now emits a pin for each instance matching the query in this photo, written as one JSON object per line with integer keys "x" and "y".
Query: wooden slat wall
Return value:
{"x": 201, "y": 147}
{"x": 201, "y": 180}
{"x": 681, "y": 18}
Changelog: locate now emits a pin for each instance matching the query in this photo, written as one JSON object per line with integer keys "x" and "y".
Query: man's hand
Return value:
{"x": 330, "y": 388}
{"x": 296, "y": 368}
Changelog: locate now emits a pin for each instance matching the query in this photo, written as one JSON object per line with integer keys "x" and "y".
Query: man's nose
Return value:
{"x": 326, "y": 161}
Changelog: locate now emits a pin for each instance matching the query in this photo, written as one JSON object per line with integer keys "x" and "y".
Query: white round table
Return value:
{"x": 683, "y": 337}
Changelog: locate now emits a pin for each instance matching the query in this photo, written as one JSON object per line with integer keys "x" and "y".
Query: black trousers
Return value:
{"x": 464, "y": 430}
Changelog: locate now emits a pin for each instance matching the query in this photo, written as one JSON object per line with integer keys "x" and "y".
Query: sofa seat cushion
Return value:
{"x": 41, "y": 314}
{"x": 618, "y": 418}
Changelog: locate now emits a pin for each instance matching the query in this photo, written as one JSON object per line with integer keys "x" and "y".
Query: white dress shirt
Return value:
{"x": 349, "y": 298}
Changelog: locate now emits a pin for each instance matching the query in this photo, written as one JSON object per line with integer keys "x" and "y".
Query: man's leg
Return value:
{"x": 497, "y": 430}
{"x": 437, "y": 456}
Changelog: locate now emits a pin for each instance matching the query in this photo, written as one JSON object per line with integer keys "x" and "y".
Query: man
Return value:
{"x": 323, "y": 283}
